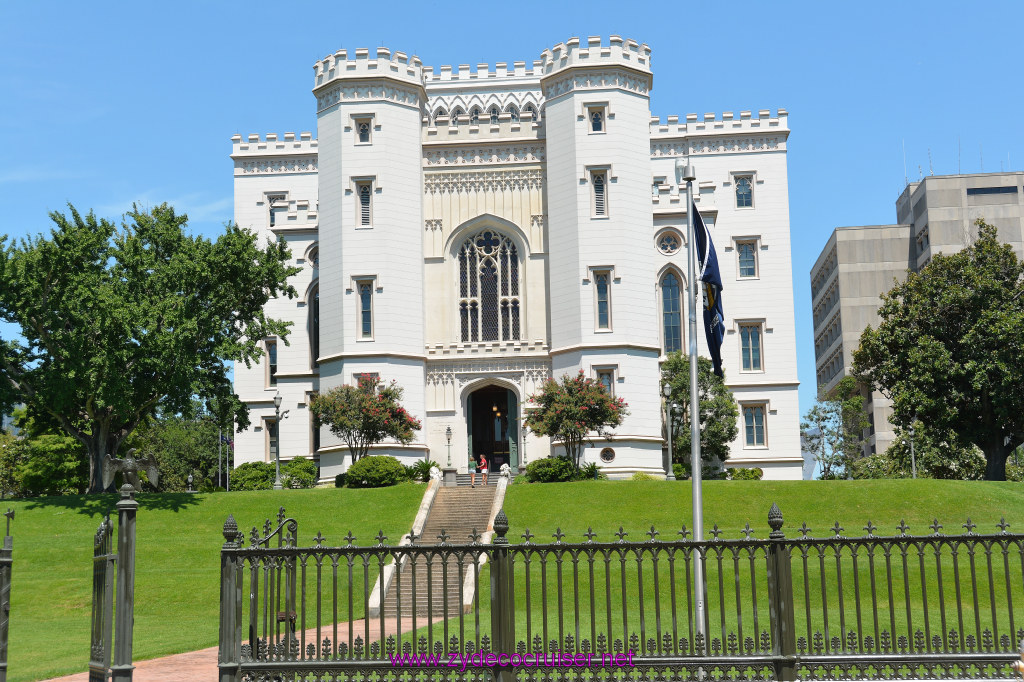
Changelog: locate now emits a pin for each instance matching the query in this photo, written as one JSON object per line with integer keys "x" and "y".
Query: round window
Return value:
{"x": 669, "y": 242}
{"x": 607, "y": 455}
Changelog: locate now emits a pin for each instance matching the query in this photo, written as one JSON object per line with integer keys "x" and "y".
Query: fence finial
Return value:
{"x": 501, "y": 527}
{"x": 230, "y": 528}
{"x": 775, "y": 522}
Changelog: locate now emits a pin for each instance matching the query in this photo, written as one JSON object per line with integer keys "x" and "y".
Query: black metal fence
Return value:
{"x": 112, "y": 629}
{"x": 6, "y": 561}
{"x": 930, "y": 606}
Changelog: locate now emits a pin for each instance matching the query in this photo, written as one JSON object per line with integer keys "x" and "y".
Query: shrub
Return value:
{"x": 340, "y": 480}
{"x": 642, "y": 476}
{"x": 375, "y": 471}
{"x": 551, "y": 470}
{"x": 420, "y": 471}
{"x": 680, "y": 473}
{"x": 592, "y": 472}
{"x": 745, "y": 474}
{"x": 300, "y": 473}
{"x": 253, "y": 476}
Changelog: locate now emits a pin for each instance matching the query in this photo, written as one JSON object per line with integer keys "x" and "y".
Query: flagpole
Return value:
{"x": 696, "y": 303}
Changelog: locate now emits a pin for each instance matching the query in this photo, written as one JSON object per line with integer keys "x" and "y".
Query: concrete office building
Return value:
{"x": 858, "y": 264}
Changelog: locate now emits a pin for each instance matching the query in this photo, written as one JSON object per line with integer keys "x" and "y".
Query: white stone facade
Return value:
{"x": 547, "y": 187}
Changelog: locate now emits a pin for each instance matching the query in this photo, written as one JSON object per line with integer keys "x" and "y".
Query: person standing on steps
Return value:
{"x": 472, "y": 471}
{"x": 483, "y": 467}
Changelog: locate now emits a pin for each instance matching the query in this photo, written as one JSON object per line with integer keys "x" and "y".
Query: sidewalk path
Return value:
{"x": 202, "y": 665}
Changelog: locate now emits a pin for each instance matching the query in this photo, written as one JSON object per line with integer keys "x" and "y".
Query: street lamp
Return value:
{"x": 278, "y": 416}
{"x": 448, "y": 435}
{"x": 666, "y": 391}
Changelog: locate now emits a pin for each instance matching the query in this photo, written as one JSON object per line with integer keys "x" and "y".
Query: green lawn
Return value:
{"x": 180, "y": 537}
{"x": 178, "y": 559}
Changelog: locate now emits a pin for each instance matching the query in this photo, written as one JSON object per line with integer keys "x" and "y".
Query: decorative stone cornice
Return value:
{"x": 273, "y": 166}
{"x": 718, "y": 145}
{"x": 622, "y": 79}
{"x": 484, "y": 155}
{"x": 389, "y": 92}
{"x": 462, "y": 371}
{"x": 495, "y": 181}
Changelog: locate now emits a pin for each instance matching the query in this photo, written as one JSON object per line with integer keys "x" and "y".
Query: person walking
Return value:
{"x": 483, "y": 467}
{"x": 472, "y": 472}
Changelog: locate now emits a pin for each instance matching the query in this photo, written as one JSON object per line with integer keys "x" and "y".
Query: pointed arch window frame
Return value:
{"x": 490, "y": 303}
{"x": 679, "y": 312}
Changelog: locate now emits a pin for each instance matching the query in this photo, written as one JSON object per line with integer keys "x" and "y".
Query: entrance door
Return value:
{"x": 492, "y": 421}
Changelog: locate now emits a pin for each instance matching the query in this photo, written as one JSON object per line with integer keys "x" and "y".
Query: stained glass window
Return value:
{"x": 671, "y": 313}
{"x": 489, "y": 306}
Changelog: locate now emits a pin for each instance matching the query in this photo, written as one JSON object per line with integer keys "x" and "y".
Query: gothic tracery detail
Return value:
{"x": 489, "y": 300}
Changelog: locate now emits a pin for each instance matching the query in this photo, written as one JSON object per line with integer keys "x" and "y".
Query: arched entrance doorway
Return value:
{"x": 492, "y": 426}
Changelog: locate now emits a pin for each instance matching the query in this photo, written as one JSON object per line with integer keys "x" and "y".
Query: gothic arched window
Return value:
{"x": 514, "y": 112}
{"x": 494, "y": 114}
{"x": 532, "y": 110}
{"x": 439, "y": 113}
{"x": 671, "y": 312}
{"x": 456, "y": 113}
{"x": 489, "y": 301}
{"x": 474, "y": 116}
{"x": 314, "y": 328}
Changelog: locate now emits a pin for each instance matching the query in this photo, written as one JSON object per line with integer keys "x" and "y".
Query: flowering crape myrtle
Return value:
{"x": 572, "y": 408}
{"x": 364, "y": 415}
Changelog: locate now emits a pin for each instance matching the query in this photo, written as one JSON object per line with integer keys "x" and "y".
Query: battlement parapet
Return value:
{"x": 359, "y": 64}
{"x": 595, "y": 52}
{"x": 273, "y": 145}
{"x": 727, "y": 122}
{"x": 481, "y": 72}
{"x": 442, "y": 130}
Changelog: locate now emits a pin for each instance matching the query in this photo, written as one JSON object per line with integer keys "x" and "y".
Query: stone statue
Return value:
{"x": 130, "y": 467}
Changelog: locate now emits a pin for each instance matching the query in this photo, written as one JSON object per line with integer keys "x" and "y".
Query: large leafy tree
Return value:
{"x": 571, "y": 409}
{"x": 364, "y": 415}
{"x": 116, "y": 320}
{"x": 936, "y": 455}
{"x": 949, "y": 348}
{"x": 718, "y": 414}
{"x": 834, "y": 428}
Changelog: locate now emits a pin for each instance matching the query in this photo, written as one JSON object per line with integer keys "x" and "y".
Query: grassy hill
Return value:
{"x": 179, "y": 538}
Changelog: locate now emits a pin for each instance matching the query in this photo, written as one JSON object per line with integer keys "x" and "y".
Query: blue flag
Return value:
{"x": 708, "y": 273}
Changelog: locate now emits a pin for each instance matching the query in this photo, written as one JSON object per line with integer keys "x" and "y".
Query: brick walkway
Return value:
{"x": 202, "y": 665}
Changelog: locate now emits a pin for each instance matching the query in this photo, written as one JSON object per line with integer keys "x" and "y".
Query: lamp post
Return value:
{"x": 666, "y": 391}
{"x": 913, "y": 460}
{"x": 448, "y": 435}
{"x": 278, "y": 416}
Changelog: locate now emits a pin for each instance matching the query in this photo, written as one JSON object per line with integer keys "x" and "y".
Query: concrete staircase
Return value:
{"x": 456, "y": 511}
{"x": 463, "y": 480}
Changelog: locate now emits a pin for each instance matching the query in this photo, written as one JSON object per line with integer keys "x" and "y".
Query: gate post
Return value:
{"x": 229, "y": 653}
{"x": 124, "y": 614}
{"x": 780, "y": 599}
{"x": 5, "y": 594}
{"x": 502, "y": 618}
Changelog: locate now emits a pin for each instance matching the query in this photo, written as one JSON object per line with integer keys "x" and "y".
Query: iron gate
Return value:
{"x": 932, "y": 606}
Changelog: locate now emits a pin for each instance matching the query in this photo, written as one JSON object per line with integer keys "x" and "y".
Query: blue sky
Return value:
{"x": 108, "y": 103}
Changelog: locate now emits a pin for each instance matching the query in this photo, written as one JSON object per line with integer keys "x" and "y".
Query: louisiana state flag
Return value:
{"x": 708, "y": 273}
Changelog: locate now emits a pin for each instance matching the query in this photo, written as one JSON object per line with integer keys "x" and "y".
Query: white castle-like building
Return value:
{"x": 471, "y": 232}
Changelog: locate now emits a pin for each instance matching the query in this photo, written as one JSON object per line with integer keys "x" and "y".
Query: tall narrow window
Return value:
{"x": 744, "y": 191}
{"x": 314, "y": 329}
{"x": 747, "y": 253}
{"x": 365, "y": 288}
{"x": 671, "y": 309}
{"x": 598, "y": 183}
{"x": 494, "y": 114}
{"x": 512, "y": 111}
{"x": 489, "y": 302}
{"x": 365, "y": 191}
{"x": 753, "y": 418}
{"x": 271, "y": 362}
{"x": 363, "y": 128}
{"x": 596, "y": 120}
{"x": 750, "y": 347}
{"x": 456, "y": 115}
{"x": 474, "y": 116}
{"x": 606, "y": 377}
{"x": 602, "y": 280}
{"x": 529, "y": 108}
{"x": 439, "y": 113}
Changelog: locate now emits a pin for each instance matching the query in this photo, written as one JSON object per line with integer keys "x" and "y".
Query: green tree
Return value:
{"x": 364, "y": 415}
{"x": 937, "y": 455}
{"x": 182, "y": 445}
{"x": 718, "y": 414}
{"x": 570, "y": 409}
{"x": 118, "y": 321}
{"x": 949, "y": 345}
{"x": 833, "y": 429}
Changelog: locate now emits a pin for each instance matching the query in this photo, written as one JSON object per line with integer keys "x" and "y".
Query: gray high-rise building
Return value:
{"x": 858, "y": 264}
